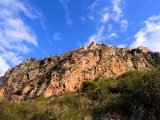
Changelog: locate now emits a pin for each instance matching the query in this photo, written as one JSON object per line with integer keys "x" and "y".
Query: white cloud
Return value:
{"x": 93, "y": 5}
{"x": 83, "y": 19}
{"x": 108, "y": 15}
{"x": 124, "y": 24}
{"x": 17, "y": 30}
{"x": 105, "y": 17}
{"x": 57, "y": 36}
{"x": 117, "y": 14}
{"x": 98, "y": 37}
{"x": 11, "y": 57}
{"x": 91, "y": 17}
{"x": 16, "y": 6}
{"x": 64, "y": 3}
{"x": 149, "y": 35}
{"x": 113, "y": 35}
{"x": 15, "y": 34}
{"x": 122, "y": 46}
{"x": 4, "y": 66}
{"x": 117, "y": 9}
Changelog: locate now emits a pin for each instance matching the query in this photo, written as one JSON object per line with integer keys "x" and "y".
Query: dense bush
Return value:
{"x": 70, "y": 106}
{"x": 127, "y": 81}
{"x": 140, "y": 94}
{"x": 88, "y": 86}
{"x": 147, "y": 95}
{"x": 133, "y": 95}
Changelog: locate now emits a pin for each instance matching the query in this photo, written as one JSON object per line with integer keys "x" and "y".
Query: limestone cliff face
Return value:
{"x": 58, "y": 74}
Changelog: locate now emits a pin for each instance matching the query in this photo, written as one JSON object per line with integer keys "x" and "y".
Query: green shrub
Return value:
{"x": 127, "y": 80}
{"x": 89, "y": 86}
{"x": 133, "y": 51}
{"x": 32, "y": 59}
{"x": 138, "y": 50}
{"x": 147, "y": 94}
{"x": 9, "y": 111}
{"x": 140, "y": 94}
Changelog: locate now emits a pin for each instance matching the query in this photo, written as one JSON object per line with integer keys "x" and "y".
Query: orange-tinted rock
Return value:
{"x": 55, "y": 75}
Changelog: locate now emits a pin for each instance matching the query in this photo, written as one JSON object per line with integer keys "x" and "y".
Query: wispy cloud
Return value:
{"x": 91, "y": 17}
{"x": 113, "y": 35}
{"x": 4, "y": 66}
{"x": 149, "y": 35}
{"x": 105, "y": 17}
{"x": 15, "y": 34}
{"x": 98, "y": 37}
{"x": 122, "y": 45}
{"x": 57, "y": 36}
{"x": 117, "y": 10}
{"x": 107, "y": 14}
{"x": 117, "y": 15}
{"x": 64, "y": 3}
{"x": 83, "y": 19}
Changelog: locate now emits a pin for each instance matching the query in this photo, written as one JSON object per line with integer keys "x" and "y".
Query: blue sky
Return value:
{"x": 39, "y": 28}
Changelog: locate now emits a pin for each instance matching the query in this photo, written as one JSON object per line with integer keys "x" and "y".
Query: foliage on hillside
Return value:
{"x": 134, "y": 95}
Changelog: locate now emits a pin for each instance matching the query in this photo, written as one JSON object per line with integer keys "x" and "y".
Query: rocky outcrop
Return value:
{"x": 58, "y": 74}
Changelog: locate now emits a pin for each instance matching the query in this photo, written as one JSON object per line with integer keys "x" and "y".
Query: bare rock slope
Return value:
{"x": 58, "y": 74}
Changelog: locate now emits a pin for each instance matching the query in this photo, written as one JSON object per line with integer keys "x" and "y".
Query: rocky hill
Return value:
{"x": 58, "y": 74}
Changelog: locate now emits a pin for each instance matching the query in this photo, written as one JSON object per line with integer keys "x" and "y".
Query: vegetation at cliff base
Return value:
{"x": 133, "y": 95}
